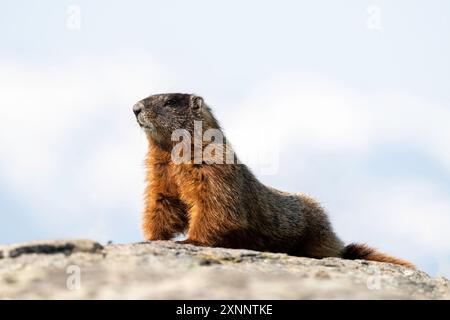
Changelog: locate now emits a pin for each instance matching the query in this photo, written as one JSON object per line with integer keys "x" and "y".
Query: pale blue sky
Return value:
{"x": 368, "y": 110}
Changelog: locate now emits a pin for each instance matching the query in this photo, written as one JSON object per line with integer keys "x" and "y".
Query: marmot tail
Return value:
{"x": 361, "y": 251}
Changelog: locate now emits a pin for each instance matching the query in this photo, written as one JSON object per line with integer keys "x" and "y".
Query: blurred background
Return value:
{"x": 350, "y": 104}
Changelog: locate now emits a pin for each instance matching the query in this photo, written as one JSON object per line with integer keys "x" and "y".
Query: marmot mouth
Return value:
{"x": 148, "y": 126}
{"x": 144, "y": 123}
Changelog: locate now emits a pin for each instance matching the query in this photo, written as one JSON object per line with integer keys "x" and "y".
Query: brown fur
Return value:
{"x": 224, "y": 205}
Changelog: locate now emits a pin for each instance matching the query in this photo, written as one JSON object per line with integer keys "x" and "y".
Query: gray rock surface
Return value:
{"x": 83, "y": 269}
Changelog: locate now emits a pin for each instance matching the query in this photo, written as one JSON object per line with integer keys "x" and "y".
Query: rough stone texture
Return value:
{"x": 166, "y": 270}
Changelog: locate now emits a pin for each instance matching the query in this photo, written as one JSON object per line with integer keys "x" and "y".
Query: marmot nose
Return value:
{"x": 137, "y": 108}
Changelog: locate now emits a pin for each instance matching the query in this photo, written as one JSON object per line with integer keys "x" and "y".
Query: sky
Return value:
{"x": 348, "y": 103}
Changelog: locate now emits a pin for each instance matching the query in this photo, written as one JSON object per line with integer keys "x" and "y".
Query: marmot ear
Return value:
{"x": 196, "y": 103}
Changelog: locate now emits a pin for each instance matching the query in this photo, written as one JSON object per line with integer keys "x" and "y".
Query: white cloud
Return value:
{"x": 332, "y": 136}
{"x": 69, "y": 143}
{"x": 325, "y": 117}
{"x": 404, "y": 217}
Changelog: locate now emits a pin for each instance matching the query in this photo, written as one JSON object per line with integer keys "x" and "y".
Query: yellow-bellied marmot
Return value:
{"x": 222, "y": 204}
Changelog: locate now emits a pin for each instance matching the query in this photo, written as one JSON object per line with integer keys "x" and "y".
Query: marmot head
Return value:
{"x": 161, "y": 114}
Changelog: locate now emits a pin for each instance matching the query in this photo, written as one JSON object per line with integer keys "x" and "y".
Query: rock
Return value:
{"x": 83, "y": 269}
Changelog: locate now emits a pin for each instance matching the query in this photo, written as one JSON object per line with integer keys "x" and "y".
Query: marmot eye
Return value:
{"x": 169, "y": 103}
